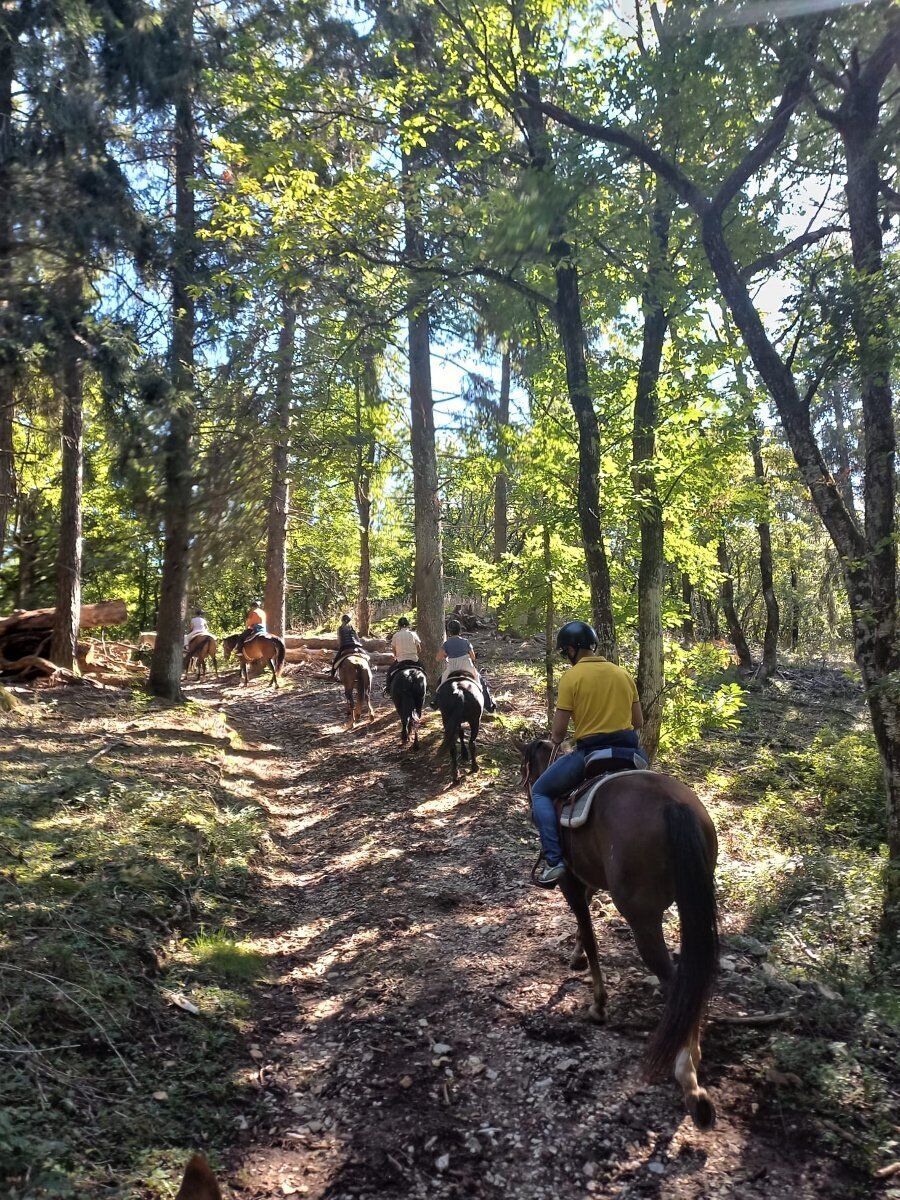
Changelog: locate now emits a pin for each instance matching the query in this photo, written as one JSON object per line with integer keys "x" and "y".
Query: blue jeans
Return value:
{"x": 565, "y": 774}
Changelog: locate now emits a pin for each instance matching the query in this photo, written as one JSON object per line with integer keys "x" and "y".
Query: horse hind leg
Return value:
{"x": 577, "y": 896}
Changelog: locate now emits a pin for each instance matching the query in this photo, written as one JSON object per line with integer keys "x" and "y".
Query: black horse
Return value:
{"x": 460, "y": 702}
{"x": 407, "y": 690}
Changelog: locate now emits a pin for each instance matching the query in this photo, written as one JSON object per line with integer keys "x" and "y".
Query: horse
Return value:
{"x": 460, "y": 702}
{"x": 407, "y": 690}
{"x": 263, "y": 648}
{"x": 198, "y": 1182}
{"x": 199, "y": 650}
{"x": 649, "y": 841}
{"x": 354, "y": 672}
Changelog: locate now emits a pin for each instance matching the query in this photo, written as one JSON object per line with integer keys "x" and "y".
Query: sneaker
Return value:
{"x": 550, "y": 876}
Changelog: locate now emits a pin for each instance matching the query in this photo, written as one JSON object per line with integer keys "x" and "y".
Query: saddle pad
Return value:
{"x": 575, "y": 813}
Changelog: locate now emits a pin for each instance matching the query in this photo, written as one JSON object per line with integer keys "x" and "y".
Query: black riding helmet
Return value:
{"x": 576, "y": 635}
{"x": 454, "y": 628}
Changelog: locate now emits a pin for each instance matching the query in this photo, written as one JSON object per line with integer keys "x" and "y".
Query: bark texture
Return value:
{"x": 732, "y": 620}
{"x": 64, "y": 644}
{"x": 166, "y": 664}
{"x": 570, "y": 326}
{"x": 429, "y": 564}
{"x": 366, "y": 397}
{"x": 766, "y": 574}
{"x": 501, "y": 479}
{"x": 275, "y": 593}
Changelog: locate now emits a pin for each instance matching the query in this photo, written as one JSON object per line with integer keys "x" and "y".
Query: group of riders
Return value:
{"x": 597, "y": 697}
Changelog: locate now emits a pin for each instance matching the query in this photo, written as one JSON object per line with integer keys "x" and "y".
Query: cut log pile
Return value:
{"x": 25, "y": 641}
{"x": 320, "y": 649}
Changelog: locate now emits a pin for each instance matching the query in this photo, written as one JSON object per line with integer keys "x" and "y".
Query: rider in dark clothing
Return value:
{"x": 348, "y": 641}
{"x": 459, "y": 658}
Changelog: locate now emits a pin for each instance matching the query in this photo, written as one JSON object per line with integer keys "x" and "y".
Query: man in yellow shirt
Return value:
{"x": 602, "y": 700}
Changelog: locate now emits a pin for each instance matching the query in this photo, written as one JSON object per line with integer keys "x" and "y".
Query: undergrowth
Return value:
{"x": 121, "y": 1022}
{"x": 797, "y": 796}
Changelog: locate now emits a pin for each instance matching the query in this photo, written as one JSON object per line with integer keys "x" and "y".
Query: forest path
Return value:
{"x": 421, "y": 1034}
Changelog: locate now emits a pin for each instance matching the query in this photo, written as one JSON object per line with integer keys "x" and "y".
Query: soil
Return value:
{"x": 422, "y": 1034}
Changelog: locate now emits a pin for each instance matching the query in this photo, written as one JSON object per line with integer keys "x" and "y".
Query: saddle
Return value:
{"x": 600, "y": 767}
{"x": 345, "y": 652}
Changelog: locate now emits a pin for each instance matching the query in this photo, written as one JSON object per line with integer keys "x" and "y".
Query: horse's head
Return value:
{"x": 228, "y": 646}
{"x": 535, "y": 759}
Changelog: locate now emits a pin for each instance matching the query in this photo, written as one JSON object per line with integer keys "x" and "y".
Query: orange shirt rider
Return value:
{"x": 256, "y": 618}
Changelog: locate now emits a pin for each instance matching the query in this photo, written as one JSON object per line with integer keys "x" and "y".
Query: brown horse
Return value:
{"x": 354, "y": 672}
{"x": 263, "y": 648}
{"x": 198, "y": 1183}
{"x": 198, "y": 651}
{"x": 649, "y": 841}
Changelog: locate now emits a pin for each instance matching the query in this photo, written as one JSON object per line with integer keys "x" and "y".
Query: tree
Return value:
{"x": 869, "y": 555}
{"x": 167, "y": 662}
{"x": 275, "y": 594}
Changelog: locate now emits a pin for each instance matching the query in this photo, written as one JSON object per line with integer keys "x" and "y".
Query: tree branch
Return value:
{"x": 766, "y": 261}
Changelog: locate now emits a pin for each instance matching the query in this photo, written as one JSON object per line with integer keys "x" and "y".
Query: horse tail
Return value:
{"x": 280, "y": 652}
{"x": 698, "y": 963}
{"x": 453, "y": 711}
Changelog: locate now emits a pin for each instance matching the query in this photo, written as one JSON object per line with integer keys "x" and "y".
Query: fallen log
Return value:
{"x": 328, "y": 641}
{"x": 304, "y": 654}
{"x": 28, "y": 633}
{"x": 91, "y": 616}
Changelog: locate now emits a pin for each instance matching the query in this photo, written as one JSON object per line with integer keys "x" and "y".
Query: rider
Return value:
{"x": 405, "y": 645}
{"x": 602, "y": 700}
{"x": 198, "y": 625}
{"x": 458, "y": 658}
{"x": 348, "y": 641}
{"x": 254, "y": 623}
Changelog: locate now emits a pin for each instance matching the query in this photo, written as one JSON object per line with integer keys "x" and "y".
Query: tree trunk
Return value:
{"x": 366, "y": 396}
{"x": 726, "y": 594}
{"x": 687, "y": 621}
{"x": 429, "y": 566}
{"x": 651, "y": 574}
{"x": 168, "y": 655}
{"x": 28, "y": 545}
{"x": 549, "y": 622}
{"x": 64, "y": 644}
{"x": 7, "y": 333}
{"x": 795, "y": 608}
{"x": 501, "y": 479}
{"x": 571, "y": 332}
{"x": 275, "y": 592}
{"x": 773, "y": 615}
{"x": 570, "y": 325}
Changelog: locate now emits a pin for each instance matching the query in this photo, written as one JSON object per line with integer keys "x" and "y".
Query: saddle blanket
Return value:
{"x": 577, "y": 810}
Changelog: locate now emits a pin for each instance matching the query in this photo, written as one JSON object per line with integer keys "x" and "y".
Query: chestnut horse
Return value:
{"x": 262, "y": 648}
{"x": 354, "y": 672}
{"x": 198, "y": 651}
{"x": 649, "y": 841}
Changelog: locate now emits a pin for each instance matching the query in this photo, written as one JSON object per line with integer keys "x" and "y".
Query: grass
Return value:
{"x": 108, "y": 869}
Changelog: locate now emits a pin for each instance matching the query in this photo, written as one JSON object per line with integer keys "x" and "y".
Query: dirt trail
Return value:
{"x": 423, "y": 1035}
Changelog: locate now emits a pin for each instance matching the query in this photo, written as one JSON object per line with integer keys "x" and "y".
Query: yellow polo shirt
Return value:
{"x": 598, "y": 694}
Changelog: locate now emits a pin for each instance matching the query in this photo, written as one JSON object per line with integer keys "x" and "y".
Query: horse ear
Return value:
{"x": 198, "y": 1183}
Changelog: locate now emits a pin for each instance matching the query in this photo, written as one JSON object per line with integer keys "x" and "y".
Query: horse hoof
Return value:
{"x": 702, "y": 1110}
{"x": 579, "y": 963}
{"x": 597, "y": 1014}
